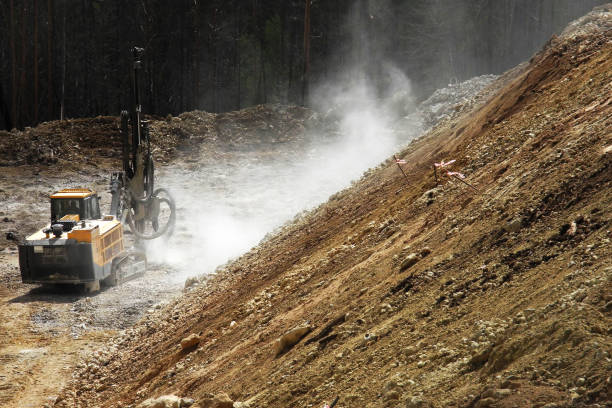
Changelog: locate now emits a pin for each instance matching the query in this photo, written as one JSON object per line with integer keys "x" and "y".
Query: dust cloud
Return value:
{"x": 364, "y": 115}
{"x": 227, "y": 208}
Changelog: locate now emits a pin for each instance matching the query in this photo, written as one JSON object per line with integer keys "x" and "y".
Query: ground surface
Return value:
{"x": 46, "y": 332}
{"x": 416, "y": 293}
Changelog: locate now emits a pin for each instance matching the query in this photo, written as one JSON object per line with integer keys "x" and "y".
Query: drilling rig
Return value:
{"x": 135, "y": 201}
{"x": 82, "y": 246}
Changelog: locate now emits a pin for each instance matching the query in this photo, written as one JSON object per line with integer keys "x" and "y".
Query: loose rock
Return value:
{"x": 484, "y": 403}
{"x": 497, "y": 393}
{"x": 190, "y": 341}
{"x": 417, "y": 402}
{"x": 289, "y": 339}
{"x": 166, "y": 401}
{"x": 513, "y": 226}
{"x": 409, "y": 261}
{"x": 221, "y": 400}
{"x": 425, "y": 251}
{"x": 192, "y": 281}
{"x": 391, "y": 395}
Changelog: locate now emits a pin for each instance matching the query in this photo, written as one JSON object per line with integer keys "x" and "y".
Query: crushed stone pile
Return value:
{"x": 446, "y": 102}
{"x": 87, "y": 140}
{"x": 202, "y": 136}
{"x": 597, "y": 22}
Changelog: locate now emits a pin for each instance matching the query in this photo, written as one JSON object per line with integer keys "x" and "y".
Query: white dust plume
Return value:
{"x": 227, "y": 208}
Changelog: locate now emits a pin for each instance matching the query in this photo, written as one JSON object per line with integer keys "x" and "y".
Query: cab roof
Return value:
{"x": 73, "y": 193}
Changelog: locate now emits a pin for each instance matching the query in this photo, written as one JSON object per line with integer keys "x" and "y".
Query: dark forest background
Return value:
{"x": 71, "y": 58}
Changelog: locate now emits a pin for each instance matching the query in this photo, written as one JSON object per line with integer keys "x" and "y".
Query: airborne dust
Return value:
{"x": 226, "y": 208}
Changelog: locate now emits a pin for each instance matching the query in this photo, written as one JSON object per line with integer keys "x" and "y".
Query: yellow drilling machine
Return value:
{"x": 82, "y": 246}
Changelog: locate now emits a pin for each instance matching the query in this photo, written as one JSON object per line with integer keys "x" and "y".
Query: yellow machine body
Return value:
{"x": 77, "y": 247}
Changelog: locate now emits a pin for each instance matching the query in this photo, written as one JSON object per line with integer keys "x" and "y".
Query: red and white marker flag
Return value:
{"x": 444, "y": 164}
{"x": 459, "y": 176}
{"x": 455, "y": 173}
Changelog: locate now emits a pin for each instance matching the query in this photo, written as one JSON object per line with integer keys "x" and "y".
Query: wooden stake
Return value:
{"x": 465, "y": 182}
{"x": 436, "y": 175}
{"x": 402, "y": 170}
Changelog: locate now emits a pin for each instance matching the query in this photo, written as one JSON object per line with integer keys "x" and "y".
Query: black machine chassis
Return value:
{"x": 61, "y": 261}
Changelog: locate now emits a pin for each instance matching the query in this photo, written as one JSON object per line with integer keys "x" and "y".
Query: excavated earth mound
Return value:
{"x": 418, "y": 294}
{"x": 91, "y": 141}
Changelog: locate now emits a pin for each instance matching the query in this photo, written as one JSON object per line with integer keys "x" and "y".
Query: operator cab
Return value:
{"x": 75, "y": 204}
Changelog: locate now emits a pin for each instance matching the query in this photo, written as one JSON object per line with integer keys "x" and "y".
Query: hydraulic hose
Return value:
{"x": 149, "y": 182}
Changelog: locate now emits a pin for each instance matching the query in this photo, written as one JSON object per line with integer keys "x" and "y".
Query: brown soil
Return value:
{"x": 419, "y": 295}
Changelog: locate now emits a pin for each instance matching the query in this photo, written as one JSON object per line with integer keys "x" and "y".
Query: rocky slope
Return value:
{"x": 416, "y": 293}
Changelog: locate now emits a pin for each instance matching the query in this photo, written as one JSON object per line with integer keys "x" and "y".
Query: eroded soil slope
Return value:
{"x": 419, "y": 294}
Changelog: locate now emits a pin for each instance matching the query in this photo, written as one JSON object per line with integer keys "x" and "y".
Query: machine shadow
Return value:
{"x": 56, "y": 294}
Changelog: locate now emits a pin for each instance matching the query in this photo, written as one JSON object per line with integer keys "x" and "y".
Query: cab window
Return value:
{"x": 93, "y": 208}
{"x": 96, "y": 208}
{"x": 64, "y": 206}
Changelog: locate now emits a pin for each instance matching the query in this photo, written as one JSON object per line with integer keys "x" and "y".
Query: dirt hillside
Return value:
{"x": 399, "y": 293}
{"x": 417, "y": 294}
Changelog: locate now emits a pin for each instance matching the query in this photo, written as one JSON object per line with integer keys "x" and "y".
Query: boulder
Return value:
{"x": 221, "y": 400}
{"x": 392, "y": 395}
{"x": 497, "y": 393}
{"x": 409, "y": 261}
{"x": 513, "y": 226}
{"x": 289, "y": 339}
{"x": 417, "y": 402}
{"x": 190, "y": 341}
{"x": 480, "y": 357}
{"x": 485, "y": 403}
{"x": 191, "y": 281}
{"x": 166, "y": 401}
{"x": 425, "y": 251}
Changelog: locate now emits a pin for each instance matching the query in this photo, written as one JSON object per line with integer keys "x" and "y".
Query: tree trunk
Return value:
{"x": 22, "y": 82}
{"x": 118, "y": 92}
{"x": 305, "y": 81}
{"x": 49, "y": 60}
{"x": 88, "y": 67}
{"x": 291, "y": 59}
{"x": 262, "y": 61}
{"x": 35, "y": 61}
{"x": 215, "y": 77}
{"x": 182, "y": 68}
{"x": 150, "y": 88}
{"x": 283, "y": 53}
{"x": 4, "y": 111}
{"x": 196, "y": 56}
{"x": 63, "y": 95}
{"x": 215, "y": 47}
{"x": 237, "y": 58}
{"x": 13, "y": 70}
